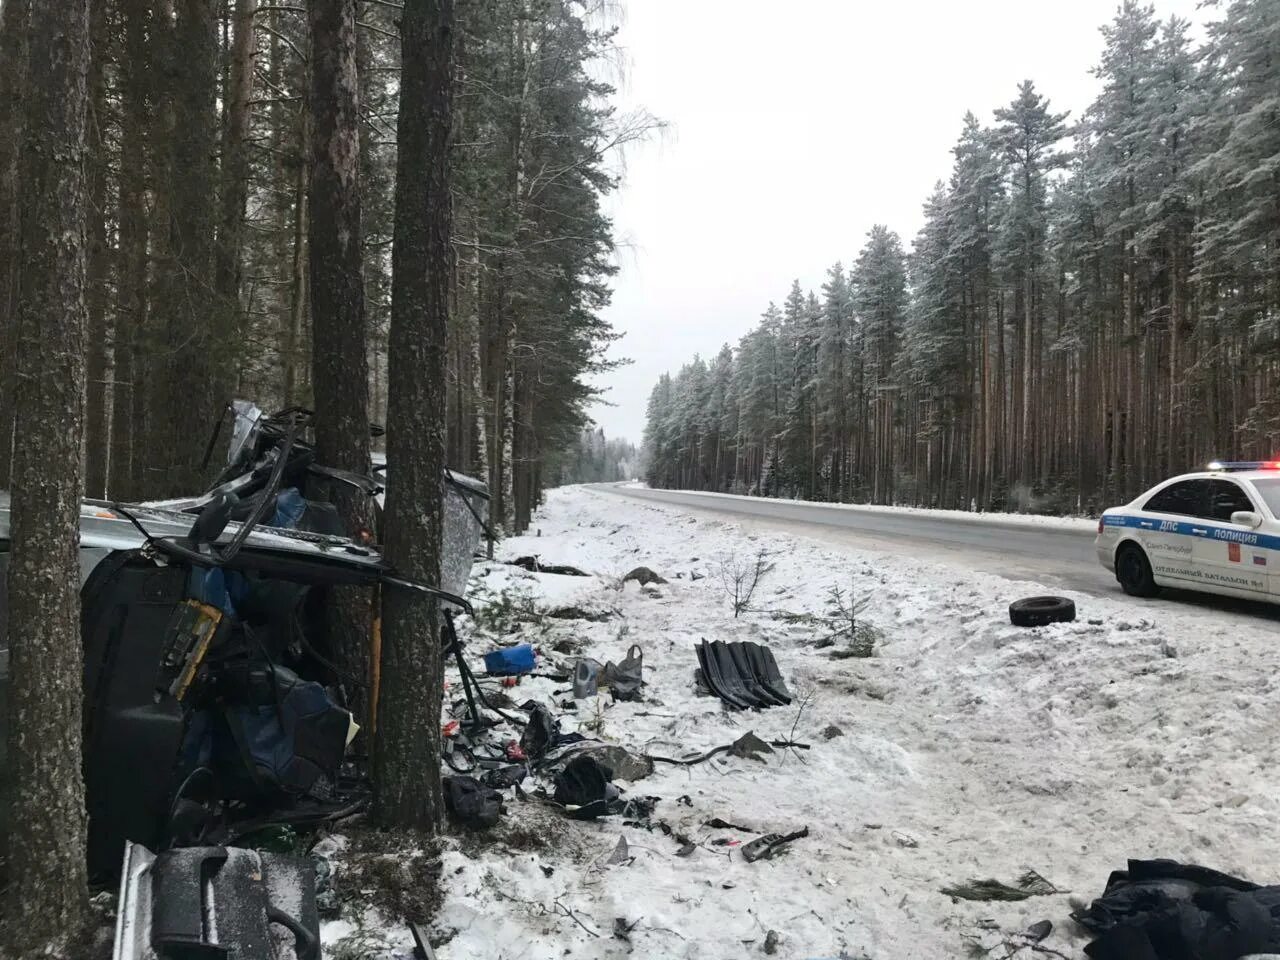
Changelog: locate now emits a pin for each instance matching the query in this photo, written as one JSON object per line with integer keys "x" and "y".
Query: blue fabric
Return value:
{"x": 224, "y": 589}
{"x": 510, "y": 661}
{"x": 258, "y": 750}
{"x": 290, "y": 506}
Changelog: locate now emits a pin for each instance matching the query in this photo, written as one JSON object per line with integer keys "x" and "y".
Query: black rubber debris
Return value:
{"x": 1041, "y": 611}
{"x": 743, "y": 675}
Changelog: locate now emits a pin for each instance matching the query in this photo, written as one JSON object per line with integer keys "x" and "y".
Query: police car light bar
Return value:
{"x": 1229, "y": 465}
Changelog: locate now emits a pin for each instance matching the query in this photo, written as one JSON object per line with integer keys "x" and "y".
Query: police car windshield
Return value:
{"x": 1269, "y": 489}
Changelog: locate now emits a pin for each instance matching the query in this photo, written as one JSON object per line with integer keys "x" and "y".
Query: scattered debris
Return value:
{"x": 1030, "y": 884}
{"x": 621, "y": 853}
{"x": 511, "y": 661}
{"x": 583, "y": 787}
{"x": 472, "y": 803}
{"x": 581, "y": 613}
{"x": 747, "y": 746}
{"x": 750, "y": 747}
{"x": 1039, "y": 611}
{"x": 625, "y": 679}
{"x": 718, "y": 824}
{"x": 764, "y": 848}
{"x": 1039, "y": 930}
{"x": 540, "y": 732}
{"x": 534, "y": 565}
{"x": 643, "y": 576}
{"x": 586, "y": 678}
{"x": 165, "y": 899}
{"x": 622, "y": 763}
{"x": 566, "y": 645}
{"x": 421, "y": 945}
{"x": 743, "y": 675}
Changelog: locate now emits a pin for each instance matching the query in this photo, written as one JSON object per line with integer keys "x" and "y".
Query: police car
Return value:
{"x": 1217, "y": 531}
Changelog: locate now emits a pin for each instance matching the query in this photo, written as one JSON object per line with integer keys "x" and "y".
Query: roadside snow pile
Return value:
{"x": 962, "y": 748}
{"x": 1082, "y": 524}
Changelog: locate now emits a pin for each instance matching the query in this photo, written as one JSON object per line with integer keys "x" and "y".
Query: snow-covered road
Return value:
{"x": 964, "y": 748}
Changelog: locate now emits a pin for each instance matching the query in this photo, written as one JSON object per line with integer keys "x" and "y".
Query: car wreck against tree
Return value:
{"x": 213, "y": 704}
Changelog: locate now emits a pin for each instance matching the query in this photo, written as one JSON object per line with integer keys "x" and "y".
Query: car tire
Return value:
{"x": 1039, "y": 611}
{"x": 1133, "y": 571}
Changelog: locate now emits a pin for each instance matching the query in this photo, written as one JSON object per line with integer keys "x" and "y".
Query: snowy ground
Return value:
{"x": 968, "y": 749}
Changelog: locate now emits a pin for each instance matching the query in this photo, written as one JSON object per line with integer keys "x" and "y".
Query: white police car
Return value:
{"x": 1216, "y": 531}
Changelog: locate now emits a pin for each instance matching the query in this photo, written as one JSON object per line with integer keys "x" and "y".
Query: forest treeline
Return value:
{"x": 1091, "y": 305}
{"x": 593, "y": 458}
{"x": 203, "y": 241}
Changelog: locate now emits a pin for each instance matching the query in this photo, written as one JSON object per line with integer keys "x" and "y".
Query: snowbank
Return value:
{"x": 965, "y": 748}
{"x": 1029, "y": 519}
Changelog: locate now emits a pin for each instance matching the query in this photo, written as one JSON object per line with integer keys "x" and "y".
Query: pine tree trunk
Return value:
{"x": 47, "y": 896}
{"x": 407, "y": 761}
{"x": 193, "y": 356}
{"x": 340, "y": 360}
{"x": 294, "y": 334}
{"x": 13, "y": 71}
{"x": 131, "y": 283}
{"x": 95, "y": 427}
{"x": 235, "y": 185}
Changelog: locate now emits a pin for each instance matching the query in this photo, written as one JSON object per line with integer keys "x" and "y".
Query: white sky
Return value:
{"x": 795, "y": 126}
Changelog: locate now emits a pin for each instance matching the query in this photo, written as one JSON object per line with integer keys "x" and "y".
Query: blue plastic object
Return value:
{"x": 510, "y": 661}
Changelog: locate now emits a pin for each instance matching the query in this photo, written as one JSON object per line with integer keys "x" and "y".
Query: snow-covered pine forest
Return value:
{"x": 1092, "y": 304}
{"x": 201, "y": 280}
{"x": 594, "y": 458}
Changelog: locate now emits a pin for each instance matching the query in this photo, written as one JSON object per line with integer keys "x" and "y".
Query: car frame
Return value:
{"x": 1214, "y": 531}
{"x": 136, "y": 565}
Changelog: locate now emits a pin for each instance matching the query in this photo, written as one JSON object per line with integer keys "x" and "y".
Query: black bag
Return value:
{"x": 540, "y": 733}
{"x": 472, "y": 803}
{"x": 276, "y": 736}
{"x": 1165, "y": 910}
{"x": 584, "y": 785}
{"x": 625, "y": 679}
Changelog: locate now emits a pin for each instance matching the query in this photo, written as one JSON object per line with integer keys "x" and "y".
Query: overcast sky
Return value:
{"x": 794, "y": 127}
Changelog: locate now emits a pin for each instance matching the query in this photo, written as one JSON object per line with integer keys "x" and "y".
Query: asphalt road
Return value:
{"x": 1018, "y": 551}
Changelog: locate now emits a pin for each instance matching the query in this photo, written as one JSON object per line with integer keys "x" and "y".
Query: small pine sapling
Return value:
{"x": 740, "y": 577}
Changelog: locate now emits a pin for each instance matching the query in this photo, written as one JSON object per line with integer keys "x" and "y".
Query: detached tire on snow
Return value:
{"x": 1038, "y": 611}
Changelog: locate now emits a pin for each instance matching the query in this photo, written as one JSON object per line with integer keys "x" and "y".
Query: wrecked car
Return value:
{"x": 212, "y": 700}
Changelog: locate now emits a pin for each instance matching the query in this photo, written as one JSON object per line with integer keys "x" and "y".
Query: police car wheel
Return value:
{"x": 1133, "y": 570}
{"x": 1038, "y": 611}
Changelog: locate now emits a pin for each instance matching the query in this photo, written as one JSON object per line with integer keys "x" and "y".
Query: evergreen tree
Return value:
{"x": 47, "y": 895}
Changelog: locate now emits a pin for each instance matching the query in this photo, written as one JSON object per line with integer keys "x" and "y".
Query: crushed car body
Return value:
{"x": 213, "y": 703}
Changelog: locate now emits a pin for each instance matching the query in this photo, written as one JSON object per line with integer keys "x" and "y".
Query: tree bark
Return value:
{"x": 340, "y": 360}
{"x": 47, "y": 896}
{"x": 14, "y": 15}
{"x": 131, "y": 283}
{"x": 407, "y": 761}
{"x": 193, "y": 355}
{"x": 95, "y": 427}
{"x": 235, "y": 182}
